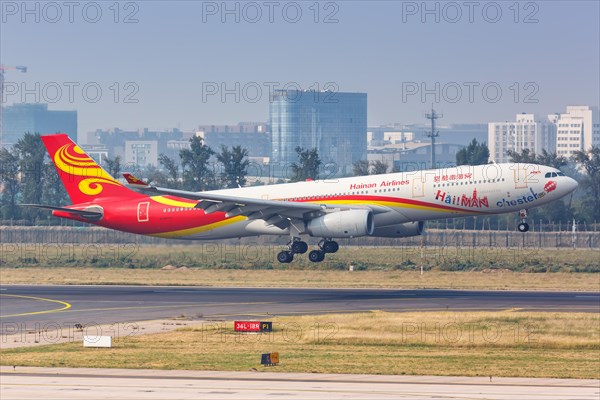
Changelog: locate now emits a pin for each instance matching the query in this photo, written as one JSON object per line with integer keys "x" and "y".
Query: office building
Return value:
{"x": 332, "y": 122}
{"x": 577, "y": 129}
{"x": 21, "y": 118}
{"x": 524, "y": 133}
{"x": 141, "y": 153}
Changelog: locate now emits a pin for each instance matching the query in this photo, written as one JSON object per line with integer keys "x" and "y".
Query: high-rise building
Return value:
{"x": 577, "y": 129}
{"x": 334, "y": 123}
{"x": 525, "y": 133}
{"x": 21, "y": 118}
{"x": 141, "y": 153}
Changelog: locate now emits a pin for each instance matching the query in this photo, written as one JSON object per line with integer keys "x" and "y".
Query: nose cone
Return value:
{"x": 570, "y": 184}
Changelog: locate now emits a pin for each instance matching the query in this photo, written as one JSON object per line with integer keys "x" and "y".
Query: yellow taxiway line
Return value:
{"x": 66, "y": 305}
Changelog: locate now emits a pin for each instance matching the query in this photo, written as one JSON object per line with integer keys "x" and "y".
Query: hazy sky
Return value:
{"x": 172, "y": 60}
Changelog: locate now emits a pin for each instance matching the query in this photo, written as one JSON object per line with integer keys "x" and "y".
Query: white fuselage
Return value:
{"x": 414, "y": 196}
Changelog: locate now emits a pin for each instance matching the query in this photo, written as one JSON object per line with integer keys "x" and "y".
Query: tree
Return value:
{"x": 364, "y": 167}
{"x": 197, "y": 174}
{"x": 589, "y": 161}
{"x": 53, "y": 191}
{"x": 9, "y": 182}
{"x": 474, "y": 154}
{"x": 525, "y": 156}
{"x": 31, "y": 152}
{"x": 551, "y": 159}
{"x": 172, "y": 170}
{"x": 114, "y": 166}
{"x": 235, "y": 166}
{"x": 378, "y": 167}
{"x": 361, "y": 168}
{"x": 307, "y": 166}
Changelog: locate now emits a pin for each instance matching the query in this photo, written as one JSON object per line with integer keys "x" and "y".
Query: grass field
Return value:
{"x": 219, "y": 265}
{"x": 558, "y": 345}
{"x": 305, "y": 278}
{"x": 248, "y": 256}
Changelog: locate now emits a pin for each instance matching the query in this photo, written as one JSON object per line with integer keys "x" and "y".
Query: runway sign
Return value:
{"x": 252, "y": 326}
{"x": 266, "y": 327}
{"x": 97, "y": 341}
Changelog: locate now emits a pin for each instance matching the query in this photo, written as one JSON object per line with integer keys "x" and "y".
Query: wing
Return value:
{"x": 275, "y": 212}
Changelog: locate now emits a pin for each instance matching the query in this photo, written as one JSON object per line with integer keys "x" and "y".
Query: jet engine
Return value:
{"x": 406, "y": 229}
{"x": 342, "y": 224}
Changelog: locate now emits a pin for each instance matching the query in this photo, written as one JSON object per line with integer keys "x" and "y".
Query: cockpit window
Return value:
{"x": 553, "y": 174}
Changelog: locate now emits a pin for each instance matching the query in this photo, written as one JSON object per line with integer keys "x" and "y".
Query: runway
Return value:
{"x": 70, "y": 384}
{"x": 28, "y": 305}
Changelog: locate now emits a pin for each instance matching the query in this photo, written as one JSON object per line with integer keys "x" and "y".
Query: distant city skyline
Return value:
{"x": 196, "y": 69}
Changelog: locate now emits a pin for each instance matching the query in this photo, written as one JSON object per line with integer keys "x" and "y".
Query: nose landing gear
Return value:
{"x": 523, "y": 225}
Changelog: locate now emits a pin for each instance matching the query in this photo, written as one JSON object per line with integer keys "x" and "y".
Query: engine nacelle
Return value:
{"x": 342, "y": 224}
{"x": 400, "y": 230}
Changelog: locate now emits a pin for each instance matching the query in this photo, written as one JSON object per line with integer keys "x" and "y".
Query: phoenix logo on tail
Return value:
{"x": 82, "y": 177}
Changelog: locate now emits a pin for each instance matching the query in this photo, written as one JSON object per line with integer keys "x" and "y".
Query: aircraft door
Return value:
{"x": 142, "y": 211}
{"x": 520, "y": 176}
{"x": 418, "y": 186}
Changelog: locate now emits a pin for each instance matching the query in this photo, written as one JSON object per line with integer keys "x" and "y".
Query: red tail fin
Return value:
{"x": 82, "y": 177}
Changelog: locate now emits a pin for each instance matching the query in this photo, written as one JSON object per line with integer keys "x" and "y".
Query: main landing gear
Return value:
{"x": 523, "y": 225}
{"x": 325, "y": 246}
{"x": 297, "y": 246}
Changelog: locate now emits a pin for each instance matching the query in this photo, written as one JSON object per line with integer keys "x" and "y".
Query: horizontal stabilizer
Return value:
{"x": 87, "y": 214}
{"x": 135, "y": 182}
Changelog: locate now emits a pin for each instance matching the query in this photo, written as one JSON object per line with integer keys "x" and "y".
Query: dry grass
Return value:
{"x": 246, "y": 265}
{"x": 560, "y": 345}
{"x": 503, "y": 280}
{"x": 253, "y": 256}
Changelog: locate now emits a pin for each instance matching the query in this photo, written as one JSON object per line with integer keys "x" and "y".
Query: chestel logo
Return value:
{"x": 464, "y": 200}
{"x": 72, "y": 160}
{"x": 528, "y": 198}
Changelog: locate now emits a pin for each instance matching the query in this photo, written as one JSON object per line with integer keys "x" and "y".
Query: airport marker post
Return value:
{"x": 266, "y": 359}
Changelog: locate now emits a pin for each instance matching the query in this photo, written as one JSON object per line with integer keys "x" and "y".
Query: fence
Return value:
{"x": 431, "y": 237}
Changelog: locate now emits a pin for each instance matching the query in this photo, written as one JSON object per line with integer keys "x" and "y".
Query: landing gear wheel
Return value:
{"x": 523, "y": 227}
{"x": 316, "y": 256}
{"x": 299, "y": 247}
{"x": 330, "y": 246}
{"x": 285, "y": 257}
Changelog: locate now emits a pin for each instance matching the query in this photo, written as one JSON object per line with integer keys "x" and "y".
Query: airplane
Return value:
{"x": 392, "y": 205}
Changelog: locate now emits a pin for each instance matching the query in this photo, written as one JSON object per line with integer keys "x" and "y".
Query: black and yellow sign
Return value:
{"x": 266, "y": 327}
